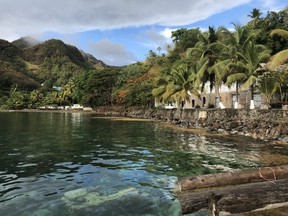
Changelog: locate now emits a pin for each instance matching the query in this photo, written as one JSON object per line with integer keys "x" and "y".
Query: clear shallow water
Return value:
{"x": 76, "y": 164}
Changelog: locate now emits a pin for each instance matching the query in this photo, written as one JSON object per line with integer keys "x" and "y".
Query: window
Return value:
{"x": 203, "y": 101}
{"x": 182, "y": 104}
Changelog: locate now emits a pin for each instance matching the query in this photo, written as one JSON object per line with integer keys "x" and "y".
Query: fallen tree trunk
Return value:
{"x": 233, "y": 178}
{"x": 236, "y": 199}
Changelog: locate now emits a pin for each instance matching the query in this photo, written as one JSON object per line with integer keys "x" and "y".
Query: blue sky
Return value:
{"x": 121, "y": 32}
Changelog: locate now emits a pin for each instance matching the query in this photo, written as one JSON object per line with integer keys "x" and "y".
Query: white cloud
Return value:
{"x": 112, "y": 53}
{"x": 167, "y": 32}
{"x": 273, "y": 5}
{"x": 28, "y": 17}
{"x": 154, "y": 38}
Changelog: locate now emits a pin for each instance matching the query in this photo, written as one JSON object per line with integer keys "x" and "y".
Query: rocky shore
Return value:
{"x": 269, "y": 124}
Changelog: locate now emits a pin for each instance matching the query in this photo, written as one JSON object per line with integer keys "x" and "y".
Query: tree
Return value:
{"x": 249, "y": 64}
{"x": 151, "y": 58}
{"x": 66, "y": 93}
{"x": 98, "y": 87}
{"x": 273, "y": 20}
{"x": 179, "y": 84}
{"x": 235, "y": 43}
{"x": 17, "y": 99}
{"x": 134, "y": 86}
{"x": 255, "y": 13}
{"x": 282, "y": 56}
{"x": 220, "y": 69}
{"x": 207, "y": 49}
{"x": 269, "y": 84}
{"x": 52, "y": 98}
{"x": 35, "y": 98}
{"x": 184, "y": 38}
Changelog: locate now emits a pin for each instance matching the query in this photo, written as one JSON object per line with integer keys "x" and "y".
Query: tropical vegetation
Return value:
{"x": 253, "y": 56}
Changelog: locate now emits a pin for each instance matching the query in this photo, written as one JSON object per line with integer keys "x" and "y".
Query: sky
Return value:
{"x": 121, "y": 32}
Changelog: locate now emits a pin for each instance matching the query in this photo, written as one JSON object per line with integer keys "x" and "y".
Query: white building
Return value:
{"x": 209, "y": 99}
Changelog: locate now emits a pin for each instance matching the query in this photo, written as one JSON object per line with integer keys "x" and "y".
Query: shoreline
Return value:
{"x": 265, "y": 125}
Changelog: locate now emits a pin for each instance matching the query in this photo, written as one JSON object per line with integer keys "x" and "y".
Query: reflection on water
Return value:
{"x": 72, "y": 164}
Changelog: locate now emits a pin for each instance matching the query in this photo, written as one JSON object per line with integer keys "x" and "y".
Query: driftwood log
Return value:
{"x": 233, "y": 178}
{"x": 237, "y": 192}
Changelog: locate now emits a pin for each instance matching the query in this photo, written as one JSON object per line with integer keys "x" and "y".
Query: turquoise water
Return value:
{"x": 79, "y": 164}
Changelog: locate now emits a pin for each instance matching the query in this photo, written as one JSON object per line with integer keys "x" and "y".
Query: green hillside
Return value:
{"x": 13, "y": 69}
{"x": 27, "y": 64}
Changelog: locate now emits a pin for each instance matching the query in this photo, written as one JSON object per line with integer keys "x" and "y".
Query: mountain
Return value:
{"x": 12, "y": 68}
{"x": 29, "y": 63}
{"x": 93, "y": 61}
{"x": 25, "y": 42}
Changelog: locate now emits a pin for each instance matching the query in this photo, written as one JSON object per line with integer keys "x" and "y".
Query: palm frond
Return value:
{"x": 170, "y": 91}
{"x": 249, "y": 82}
{"x": 158, "y": 92}
{"x": 194, "y": 50}
{"x": 237, "y": 77}
{"x": 279, "y": 59}
{"x": 281, "y": 32}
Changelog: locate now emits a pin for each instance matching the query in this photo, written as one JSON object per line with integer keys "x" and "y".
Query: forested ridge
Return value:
{"x": 254, "y": 56}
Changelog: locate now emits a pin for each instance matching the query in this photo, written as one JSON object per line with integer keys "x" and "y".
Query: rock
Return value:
{"x": 215, "y": 126}
{"x": 222, "y": 131}
{"x": 232, "y": 125}
{"x": 241, "y": 120}
{"x": 275, "y": 132}
{"x": 264, "y": 106}
{"x": 285, "y": 139}
{"x": 285, "y": 107}
{"x": 175, "y": 208}
{"x": 74, "y": 194}
{"x": 81, "y": 198}
{"x": 284, "y": 129}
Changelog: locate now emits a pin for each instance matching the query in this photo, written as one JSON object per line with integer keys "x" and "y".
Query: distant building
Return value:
{"x": 208, "y": 99}
{"x": 58, "y": 88}
{"x": 77, "y": 107}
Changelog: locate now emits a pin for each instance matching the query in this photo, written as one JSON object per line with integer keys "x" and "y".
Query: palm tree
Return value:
{"x": 161, "y": 84}
{"x": 282, "y": 56}
{"x": 35, "y": 98}
{"x": 220, "y": 69}
{"x": 207, "y": 49}
{"x": 179, "y": 84}
{"x": 255, "y": 13}
{"x": 67, "y": 92}
{"x": 236, "y": 42}
{"x": 238, "y": 39}
{"x": 256, "y": 21}
{"x": 159, "y": 49}
{"x": 248, "y": 66}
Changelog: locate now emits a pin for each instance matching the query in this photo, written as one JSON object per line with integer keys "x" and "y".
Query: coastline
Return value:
{"x": 266, "y": 125}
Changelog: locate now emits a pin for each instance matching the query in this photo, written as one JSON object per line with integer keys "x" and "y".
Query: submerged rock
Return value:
{"x": 129, "y": 201}
{"x": 75, "y": 194}
{"x": 81, "y": 198}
